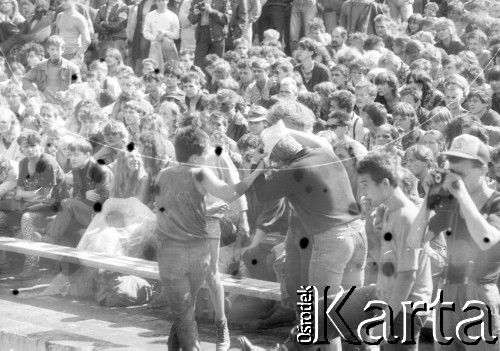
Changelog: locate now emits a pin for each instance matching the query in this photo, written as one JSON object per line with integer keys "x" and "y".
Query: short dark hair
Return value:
{"x": 193, "y": 77}
{"x": 153, "y": 77}
{"x": 493, "y": 73}
{"x": 389, "y": 78}
{"x": 309, "y": 45}
{"x": 248, "y": 141}
{"x": 376, "y": 112}
{"x": 407, "y": 90}
{"x": 173, "y": 68}
{"x": 343, "y": 117}
{"x": 30, "y": 136}
{"x": 312, "y": 100}
{"x": 80, "y": 145}
{"x": 244, "y": 64}
{"x": 404, "y": 109}
{"x": 371, "y": 42}
{"x": 482, "y": 94}
{"x": 345, "y": 100}
{"x": 190, "y": 141}
{"x": 380, "y": 166}
{"x": 231, "y": 56}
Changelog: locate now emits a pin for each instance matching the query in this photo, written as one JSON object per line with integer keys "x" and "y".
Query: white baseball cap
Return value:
{"x": 469, "y": 147}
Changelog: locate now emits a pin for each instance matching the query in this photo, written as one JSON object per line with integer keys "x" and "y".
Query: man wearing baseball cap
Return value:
{"x": 472, "y": 236}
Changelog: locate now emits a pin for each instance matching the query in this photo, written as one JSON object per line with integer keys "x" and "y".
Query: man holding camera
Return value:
{"x": 471, "y": 221}
{"x": 212, "y": 17}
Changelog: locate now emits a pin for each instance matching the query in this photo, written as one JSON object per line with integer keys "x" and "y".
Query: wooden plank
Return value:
{"x": 132, "y": 266}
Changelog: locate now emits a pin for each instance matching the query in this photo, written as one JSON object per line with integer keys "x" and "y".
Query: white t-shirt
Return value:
{"x": 165, "y": 21}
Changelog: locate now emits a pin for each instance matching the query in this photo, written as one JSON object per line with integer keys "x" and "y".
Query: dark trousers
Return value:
{"x": 71, "y": 210}
{"x": 272, "y": 17}
{"x": 205, "y": 46}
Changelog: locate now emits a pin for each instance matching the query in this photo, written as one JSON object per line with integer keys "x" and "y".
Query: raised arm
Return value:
{"x": 216, "y": 187}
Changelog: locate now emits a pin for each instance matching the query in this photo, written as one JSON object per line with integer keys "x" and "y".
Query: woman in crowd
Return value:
{"x": 447, "y": 37}
{"x": 130, "y": 177}
{"x": 10, "y": 8}
{"x": 422, "y": 81}
{"x": 114, "y": 61}
{"x": 414, "y": 24}
{"x": 154, "y": 153}
{"x": 153, "y": 123}
{"x": 405, "y": 119}
{"x": 387, "y": 90}
{"x": 38, "y": 22}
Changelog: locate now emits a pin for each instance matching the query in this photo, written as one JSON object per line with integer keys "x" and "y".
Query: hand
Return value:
{"x": 196, "y": 11}
{"x": 159, "y": 36}
{"x": 217, "y": 208}
{"x": 454, "y": 184}
{"x": 92, "y": 195}
{"x": 429, "y": 181}
{"x": 208, "y": 8}
{"x": 379, "y": 217}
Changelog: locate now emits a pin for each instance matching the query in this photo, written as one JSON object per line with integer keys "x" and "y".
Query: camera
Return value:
{"x": 439, "y": 198}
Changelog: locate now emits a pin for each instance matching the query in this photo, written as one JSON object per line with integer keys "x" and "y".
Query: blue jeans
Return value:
{"x": 183, "y": 268}
{"x": 338, "y": 257}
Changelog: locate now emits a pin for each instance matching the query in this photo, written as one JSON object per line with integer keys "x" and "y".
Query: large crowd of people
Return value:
{"x": 364, "y": 133}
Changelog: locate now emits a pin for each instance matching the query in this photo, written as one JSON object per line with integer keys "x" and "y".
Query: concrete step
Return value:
{"x": 31, "y": 322}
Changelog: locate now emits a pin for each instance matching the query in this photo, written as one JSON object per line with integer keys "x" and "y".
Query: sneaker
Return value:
{"x": 280, "y": 318}
{"x": 223, "y": 340}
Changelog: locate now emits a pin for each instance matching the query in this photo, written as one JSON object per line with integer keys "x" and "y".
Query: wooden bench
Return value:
{"x": 132, "y": 266}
